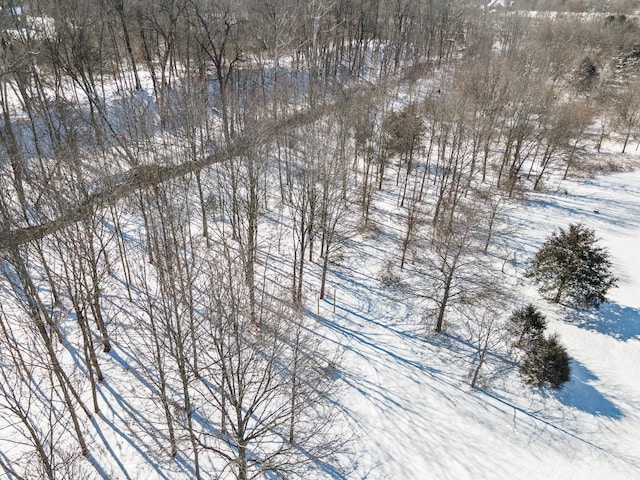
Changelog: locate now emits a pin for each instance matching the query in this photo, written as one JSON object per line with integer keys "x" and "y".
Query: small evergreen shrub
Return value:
{"x": 527, "y": 324}
{"x": 546, "y": 362}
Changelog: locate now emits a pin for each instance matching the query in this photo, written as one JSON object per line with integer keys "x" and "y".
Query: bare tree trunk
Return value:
{"x": 37, "y": 311}
{"x": 483, "y": 353}
{"x": 442, "y": 304}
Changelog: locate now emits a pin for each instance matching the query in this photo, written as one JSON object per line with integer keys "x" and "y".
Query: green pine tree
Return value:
{"x": 527, "y": 324}
{"x": 571, "y": 267}
{"x": 546, "y": 363}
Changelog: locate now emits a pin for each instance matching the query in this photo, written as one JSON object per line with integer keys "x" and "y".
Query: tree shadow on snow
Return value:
{"x": 612, "y": 319}
{"x": 578, "y": 393}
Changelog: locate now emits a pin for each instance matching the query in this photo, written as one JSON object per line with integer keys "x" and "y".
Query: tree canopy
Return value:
{"x": 528, "y": 324}
{"x": 546, "y": 363}
{"x": 571, "y": 267}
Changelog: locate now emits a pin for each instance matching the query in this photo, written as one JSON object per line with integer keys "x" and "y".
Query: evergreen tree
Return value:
{"x": 586, "y": 76}
{"x": 528, "y": 324}
{"x": 546, "y": 363}
{"x": 571, "y": 267}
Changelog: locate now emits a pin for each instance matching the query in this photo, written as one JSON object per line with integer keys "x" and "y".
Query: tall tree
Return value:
{"x": 266, "y": 382}
{"x": 218, "y": 30}
{"x": 571, "y": 266}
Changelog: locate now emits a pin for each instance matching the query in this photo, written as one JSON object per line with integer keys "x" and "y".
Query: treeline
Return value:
{"x": 173, "y": 171}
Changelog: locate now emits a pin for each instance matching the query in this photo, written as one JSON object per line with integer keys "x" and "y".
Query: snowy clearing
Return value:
{"x": 414, "y": 414}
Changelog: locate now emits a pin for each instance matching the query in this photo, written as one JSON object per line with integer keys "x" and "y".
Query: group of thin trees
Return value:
{"x": 177, "y": 180}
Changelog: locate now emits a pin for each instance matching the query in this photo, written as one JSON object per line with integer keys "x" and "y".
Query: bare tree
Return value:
{"x": 268, "y": 383}
{"x": 627, "y": 106}
{"x": 48, "y": 334}
{"x": 333, "y": 206}
{"x": 487, "y": 329}
{"x": 449, "y": 261}
{"x": 20, "y": 405}
{"x": 174, "y": 309}
{"x": 452, "y": 148}
{"x": 303, "y": 199}
{"x": 218, "y": 32}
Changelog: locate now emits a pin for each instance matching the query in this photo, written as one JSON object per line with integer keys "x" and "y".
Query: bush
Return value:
{"x": 586, "y": 76}
{"x": 571, "y": 267}
{"x": 546, "y": 363}
{"x": 528, "y": 325}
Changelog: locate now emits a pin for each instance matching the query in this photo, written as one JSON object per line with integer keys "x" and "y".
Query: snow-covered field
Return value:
{"x": 403, "y": 397}
{"x": 404, "y": 391}
{"x": 408, "y": 400}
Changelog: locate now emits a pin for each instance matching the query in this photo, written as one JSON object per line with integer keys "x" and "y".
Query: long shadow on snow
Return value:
{"x": 467, "y": 349}
{"x": 577, "y": 208}
{"x": 579, "y": 394}
{"x": 409, "y": 335}
{"x": 542, "y": 420}
{"x": 9, "y": 463}
{"x": 576, "y": 393}
{"x": 145, "y": 423}
{"x": 131, "y": 437}
{"x": 95, "y": 463}
{"x": 585, "y": 206}
{"x": 354, "y": 382}
{"x": 612, "y": 319}
{"x": 349, "y": 333}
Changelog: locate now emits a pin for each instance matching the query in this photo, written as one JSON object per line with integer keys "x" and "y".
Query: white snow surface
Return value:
{"x": 412, "y": 411}
{"x": 405, "y": 395}
{"x": 405, "y": 392}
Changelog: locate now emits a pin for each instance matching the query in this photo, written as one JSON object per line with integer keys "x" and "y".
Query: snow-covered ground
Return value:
{"x": 408, "y": 399}
{"x": 405, "y": 392}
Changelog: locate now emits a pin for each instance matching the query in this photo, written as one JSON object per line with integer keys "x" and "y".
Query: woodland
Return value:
{"x": 182, "y": 183}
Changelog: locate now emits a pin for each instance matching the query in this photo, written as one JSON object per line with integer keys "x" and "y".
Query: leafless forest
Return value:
{"x": 178, "y": 179}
